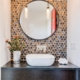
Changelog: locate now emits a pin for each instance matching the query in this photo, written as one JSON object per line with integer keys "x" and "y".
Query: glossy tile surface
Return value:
{"x": 56, "y": 44}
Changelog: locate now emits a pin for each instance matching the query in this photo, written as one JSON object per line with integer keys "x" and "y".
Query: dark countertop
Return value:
{"x": 56, "y": 65}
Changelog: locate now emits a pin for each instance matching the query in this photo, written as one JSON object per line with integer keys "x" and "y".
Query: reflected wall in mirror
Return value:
{"x": 41, "y": 20}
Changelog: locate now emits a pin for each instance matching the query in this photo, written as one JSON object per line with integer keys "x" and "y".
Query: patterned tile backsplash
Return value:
{"x": 56, "y": 44}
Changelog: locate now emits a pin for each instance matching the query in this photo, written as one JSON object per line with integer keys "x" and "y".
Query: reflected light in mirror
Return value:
{"x": 26, "y": 12}
{"x": 48, "y": 12}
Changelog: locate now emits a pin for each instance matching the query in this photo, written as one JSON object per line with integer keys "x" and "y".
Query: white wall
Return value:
{"x": 4, "y": 31}
{"x": 73, "y": 31}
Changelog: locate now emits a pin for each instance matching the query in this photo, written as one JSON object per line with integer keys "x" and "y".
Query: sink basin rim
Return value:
{"x": 40, "y": 59}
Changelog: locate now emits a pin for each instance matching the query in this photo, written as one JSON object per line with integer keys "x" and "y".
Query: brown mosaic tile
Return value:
{"x": 56, "y": 44}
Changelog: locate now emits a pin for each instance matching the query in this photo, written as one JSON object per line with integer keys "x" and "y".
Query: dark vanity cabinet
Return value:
{"x": 23, "y": 71}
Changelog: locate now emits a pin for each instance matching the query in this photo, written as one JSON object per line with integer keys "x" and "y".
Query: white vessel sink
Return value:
{"x": 40, "y": 59}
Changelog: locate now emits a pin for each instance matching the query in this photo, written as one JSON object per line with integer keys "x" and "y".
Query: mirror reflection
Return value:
{"x": 38, "y": 20}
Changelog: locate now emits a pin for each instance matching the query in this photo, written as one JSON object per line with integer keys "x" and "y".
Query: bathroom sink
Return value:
{"x": 40, "y": 59}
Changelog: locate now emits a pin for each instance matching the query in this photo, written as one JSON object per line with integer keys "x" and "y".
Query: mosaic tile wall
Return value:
{"x": 56, "y": 44}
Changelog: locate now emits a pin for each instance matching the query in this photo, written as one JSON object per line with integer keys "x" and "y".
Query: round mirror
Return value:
{"x": 38, "y": 20}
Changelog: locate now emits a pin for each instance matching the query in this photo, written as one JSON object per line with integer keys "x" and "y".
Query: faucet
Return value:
{"x": 41, "y": 47}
